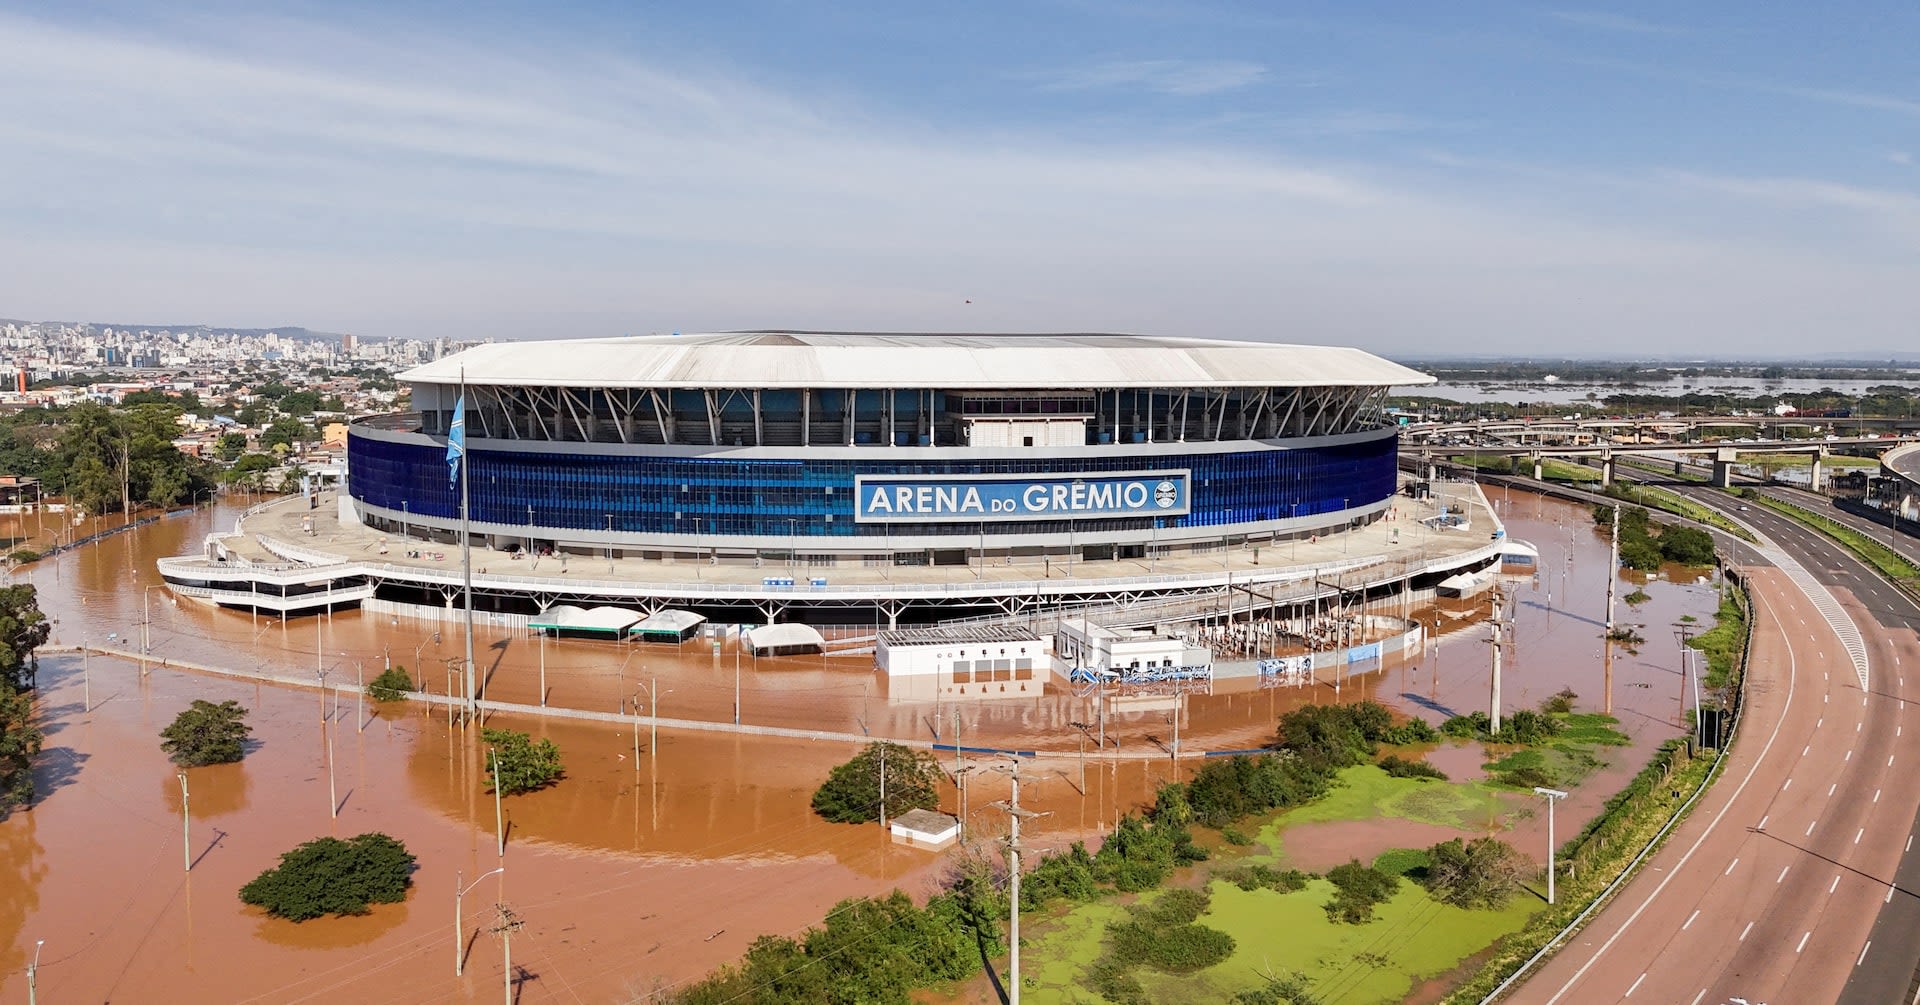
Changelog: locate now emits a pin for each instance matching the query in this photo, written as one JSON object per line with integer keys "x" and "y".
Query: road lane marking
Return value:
{"x": 1876, "y": 795}
{"x": 1817, "y": 723}
{"x": 1835, "y": 885}
{"x": 1810, "y": 824}
{"x": 1808, "y": 749}
{"x": 1803, "y": 941}
{"x": 1786, "y": 785}
{"x": 1857, "y": 725}
{"x": 1730, "y": 865}
{"x": 1889, "y": 898}
{"x": 1863, "y": 953}
{"x": 1690, "y": 918}
{"x": 1849, "y": 757}
{"x": 1744, "y": 931}
{"x": 1687, "y": 856}
{"x": 1763, "y": 822}
{"x": 1636, "y": 986}
{"x": 1702, "y": 994}
{"x": 1856, "y": 840}
{"x": 1830, "y": 788}
{"x": 1889, "y": 760}
{"x": 1777, "y": 879}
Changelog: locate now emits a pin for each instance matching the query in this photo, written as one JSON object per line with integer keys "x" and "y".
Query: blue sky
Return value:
{"x": 1412, "y": 178}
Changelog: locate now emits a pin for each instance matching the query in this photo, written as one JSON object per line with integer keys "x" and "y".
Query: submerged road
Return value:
{"x": 1792, "y": 878}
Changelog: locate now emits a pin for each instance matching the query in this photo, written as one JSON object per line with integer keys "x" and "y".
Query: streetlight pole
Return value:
{"x": 460, "y": 957}
{"x": 499, "y": 826}
{"x": 1553, "y": 796}
{"x": 736, "y": 686}
{"x": 33, "y": 969}
{"x": 186, "y": 856}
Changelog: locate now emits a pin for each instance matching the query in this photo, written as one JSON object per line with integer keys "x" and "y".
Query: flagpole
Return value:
{"x": 466, "y": 549}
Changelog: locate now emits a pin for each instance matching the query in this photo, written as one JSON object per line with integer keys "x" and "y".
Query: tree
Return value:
{"x": 331, "y": 876}
{"x": 1481, "y": 873}
{"x": 230, "y": 446}
{"x": 19, "y": 745}
{"x": 516, "y": 764}
{"x": 22, "y": 630}
{"x": 206, "y": 733}
{"x": 1687, "y": 545}
{"x": 1357, "y": 889}
{"x": 286, "y": 430}
{"x": 392, "y": 685}
{"x": 851, "y": 793}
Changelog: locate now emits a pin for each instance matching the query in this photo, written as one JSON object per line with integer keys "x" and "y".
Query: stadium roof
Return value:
{"x": 773, "y": 359}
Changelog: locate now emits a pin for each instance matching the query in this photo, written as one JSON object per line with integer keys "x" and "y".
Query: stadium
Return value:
{"x": 847, "y": 478}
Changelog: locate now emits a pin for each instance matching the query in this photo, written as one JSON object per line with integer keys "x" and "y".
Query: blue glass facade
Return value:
{"x": 778, "y": 498}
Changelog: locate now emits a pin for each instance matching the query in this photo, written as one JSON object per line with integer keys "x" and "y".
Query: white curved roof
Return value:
{"x": 773, "y": 359}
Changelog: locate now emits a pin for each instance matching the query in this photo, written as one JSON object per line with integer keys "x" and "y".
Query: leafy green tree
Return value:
{"x": 1686, "y": 545}
{"x": 1357, "y": 889}
{"x": 392, "y": 685}
{"x": 331, "y": 876}
{"x": 299, "y": 403}
{"x": 851, "y": 793}
{"x": 1481, "y": 873}
{"x": 285, "y": 431}
{"x": 206, "y": 733}
{"x": 230, "y": 446}
{"x": 516, "y": 764}
{"x": 19, "y": 744}
{"x": 22, "y": 630}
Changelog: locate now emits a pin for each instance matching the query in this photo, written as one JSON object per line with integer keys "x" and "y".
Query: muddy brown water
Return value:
{"x": 626, "y": 878}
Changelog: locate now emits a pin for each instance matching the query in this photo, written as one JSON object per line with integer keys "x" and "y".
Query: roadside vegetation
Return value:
{"x": 1885, "y": 560}
{"x": 1652, "y": 497}
{"x": 392, "y": 685}
{"x": 1646, "y": 545}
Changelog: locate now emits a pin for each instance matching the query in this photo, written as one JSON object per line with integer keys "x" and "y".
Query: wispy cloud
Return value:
{"x": 1183, "y": 77}
{"x": 1600, "y": 20}
{"x": 1900, "y": 157}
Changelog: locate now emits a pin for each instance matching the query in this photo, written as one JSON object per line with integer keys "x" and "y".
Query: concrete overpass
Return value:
{"x": 1594, "y": 428}
{"x": 1903, "y": 463}
{"x": 1725, "y": 455}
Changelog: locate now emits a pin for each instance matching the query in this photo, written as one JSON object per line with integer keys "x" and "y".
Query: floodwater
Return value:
{"x": 629, "y": 874}
{"x": 1576, "y": 394}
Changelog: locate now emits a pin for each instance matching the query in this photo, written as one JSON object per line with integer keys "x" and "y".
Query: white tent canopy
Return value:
{"x": 600, "y": 620}
{"x": 784, "y": 636}
{"x": 668, "y": 621}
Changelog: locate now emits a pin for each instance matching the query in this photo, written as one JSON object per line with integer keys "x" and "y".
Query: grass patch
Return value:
{"x": 1402, "y": 861}
{"x": 1366, "y": 793}
{"x": 1665, "y": 501}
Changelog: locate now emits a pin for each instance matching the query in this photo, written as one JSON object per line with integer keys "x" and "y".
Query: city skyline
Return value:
{"x": 1532, "y": 179}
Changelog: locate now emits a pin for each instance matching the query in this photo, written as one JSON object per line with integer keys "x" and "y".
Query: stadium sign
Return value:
{"x": 936, "y": 498}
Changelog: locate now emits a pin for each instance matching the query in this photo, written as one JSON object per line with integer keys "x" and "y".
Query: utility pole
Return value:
{"x": 186, "y": 854}
{"x": 86, "y": 674}
{"x": 1014, "y": 814}
{"x": 1493, "y": 704}
{"x": 146, "y": 627}
{"x": 33, "y": 967}
{"x": 1613, "y": 580}
{"x": 333, "y": 800}
{"x": 505, "y": 924}
{"x": 1553, "y": 796}
{"x": 459, "y": 930}
{"x": 499, "y": 827}
{"x": 883, "y": 785}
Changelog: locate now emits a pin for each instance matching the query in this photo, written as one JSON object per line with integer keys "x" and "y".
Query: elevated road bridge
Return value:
{"x": 1724, "y": 455}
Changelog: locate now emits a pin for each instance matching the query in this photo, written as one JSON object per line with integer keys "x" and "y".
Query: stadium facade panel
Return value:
{"x": 851, "y": 447}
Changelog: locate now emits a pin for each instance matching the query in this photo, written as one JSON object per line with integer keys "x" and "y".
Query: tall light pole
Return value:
{"x": 186, "y": 855}
{"x": 459, "y": 956}
{"x": 499, "y": 827}
{"x": 32, "y": 969}
{"x": 1014, "y": 814}
{"x": 1553, "y": 796}
{"x": 736, "y": 685}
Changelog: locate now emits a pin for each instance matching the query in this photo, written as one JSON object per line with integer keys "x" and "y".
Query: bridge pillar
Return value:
{"x": 1539, "y": 468}
{"x": 1723, "y": 459}
{"x": 1679, "y": 467}
{"x": 1817, "y": 480}
{"x": 1606, "y": 471}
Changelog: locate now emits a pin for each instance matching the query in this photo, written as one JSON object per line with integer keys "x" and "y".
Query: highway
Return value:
{"x": 1794, "y": 880}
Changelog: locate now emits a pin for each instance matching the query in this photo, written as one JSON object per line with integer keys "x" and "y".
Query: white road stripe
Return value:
{"x": 1690, "y": 918}
{"x": 1810, "y": 824}
{"x": 1777, "y": 879}
{"x": 1730, "y": 865}
{"x": 1744, "y": 931}
{"x": 1863, "y": 953}
{"x": 1763, "y": 822}
{"x": 1636, "y": 986}
{"x": 1835, "y": 885}
{"x": 1857, "y": 835}
{"x": 1803, "y": 941}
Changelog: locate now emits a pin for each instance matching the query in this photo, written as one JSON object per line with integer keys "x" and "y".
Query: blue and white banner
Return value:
{"x": 973, "y": 498}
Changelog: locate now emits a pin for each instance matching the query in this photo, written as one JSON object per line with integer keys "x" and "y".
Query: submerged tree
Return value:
{"x": 852, "y": 792}
{"x": 206, "y": 733}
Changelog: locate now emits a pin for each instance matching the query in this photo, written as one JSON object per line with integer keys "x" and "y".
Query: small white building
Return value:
{"x": 1082, "y": 643}
{"x": 924, "y": 829}
{"x": 978, "y": 661}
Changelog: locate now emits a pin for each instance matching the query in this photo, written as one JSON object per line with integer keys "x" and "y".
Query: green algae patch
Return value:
{"x": 1412, "y": 938}
{"x": 1366, "y": 793}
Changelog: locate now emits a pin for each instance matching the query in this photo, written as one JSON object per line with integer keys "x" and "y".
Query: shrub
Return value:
{"x": 1235, "y": 836}
{"x": 1162, "y": 935}
{"x": 516, "y": 764}
{"x": 1526, "y": 776}
{"x": 1636, "y": 598}
{"x": 331, "y": 876}
{"x": 1686, "y": 545}
{"x": 851, "y": 793}
{"x": 1069, "y": 875}
{"x": 1357, "y": 889}
{"x": 1411, "y": 731}
{"x": 392, "y": 685}
{"x": 1560, "y": 703}
{"x": 1265, "y": 877}
{"x": 1282, "y": 989}
{"x": 1481, "y": 873}
{"x": 1400, "y": 767}
{"x": 20, "y": 743}
{"x": 1224, "y": 789}
{"x": 24, "y": 555}
{"x": 205, "y": 733}
{"x": 1402, "y": 861}
{"x": 1339, "y": 736}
